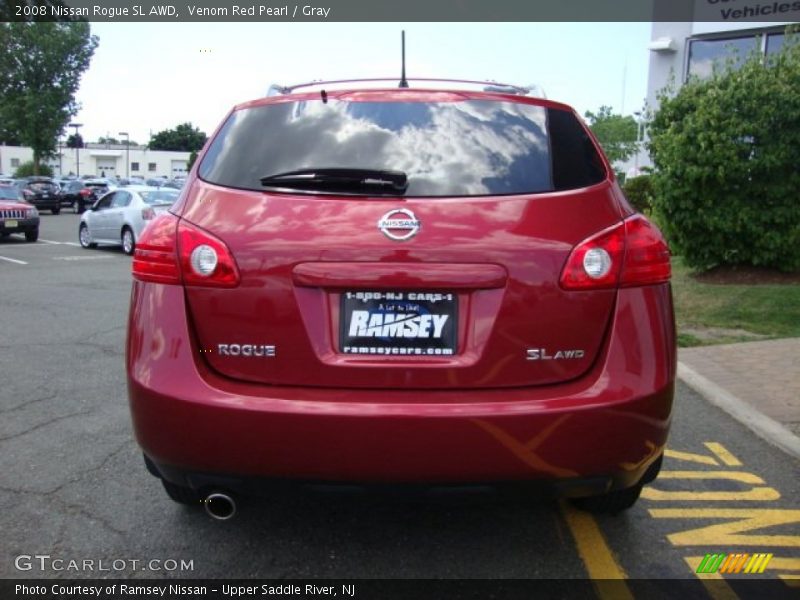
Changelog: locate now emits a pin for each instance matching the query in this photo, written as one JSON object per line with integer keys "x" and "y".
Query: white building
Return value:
{"x": 679, "y": 50}
{"x": 102, "y": 160}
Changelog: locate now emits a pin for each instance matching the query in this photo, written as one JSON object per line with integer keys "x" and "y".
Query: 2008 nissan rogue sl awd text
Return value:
{"x": 412, "y": 285}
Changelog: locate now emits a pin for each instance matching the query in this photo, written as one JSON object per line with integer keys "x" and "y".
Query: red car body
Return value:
{"x": 554, "y": 376}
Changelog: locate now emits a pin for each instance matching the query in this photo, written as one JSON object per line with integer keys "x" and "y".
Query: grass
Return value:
{"x": 720, "y": 314}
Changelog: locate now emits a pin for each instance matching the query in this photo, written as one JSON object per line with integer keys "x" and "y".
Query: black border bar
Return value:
{"x": 401, "y": 10}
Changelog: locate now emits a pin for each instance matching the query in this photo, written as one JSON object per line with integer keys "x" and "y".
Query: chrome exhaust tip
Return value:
{"x": 220, "y": 506}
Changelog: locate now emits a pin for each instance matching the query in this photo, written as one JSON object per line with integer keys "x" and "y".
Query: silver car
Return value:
{"x": 120, "y": 216}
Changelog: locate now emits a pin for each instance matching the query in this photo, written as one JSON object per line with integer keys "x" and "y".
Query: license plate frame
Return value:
{"x": 410, "y": 323}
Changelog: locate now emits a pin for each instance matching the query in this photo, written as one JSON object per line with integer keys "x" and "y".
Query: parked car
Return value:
{"x": 42, "y": 192}
{"x": 77, "y": 195}
{"x": 402, "y": 285}
{"x": 17, "y": 215}
{"x": 99, "y": 186}
{"x": 120, "y": 216}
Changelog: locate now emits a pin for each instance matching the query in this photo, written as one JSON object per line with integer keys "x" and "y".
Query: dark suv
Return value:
{"x": 78, "y": 195}
{"x": 42, "y": 192}
{"x": 402, "y": 285}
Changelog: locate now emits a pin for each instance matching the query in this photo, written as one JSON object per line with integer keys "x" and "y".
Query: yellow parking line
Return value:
{"x": 597, "y": 557}
{"x": 723, "y": 454}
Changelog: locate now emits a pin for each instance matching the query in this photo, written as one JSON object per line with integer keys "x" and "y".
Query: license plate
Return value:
{"x": 402, "y": 323}
{"x": 10, "y": 224}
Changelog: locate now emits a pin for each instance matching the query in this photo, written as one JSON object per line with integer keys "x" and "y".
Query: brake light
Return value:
{"x": 646, "y": 254}
{"x": 630, "y": 254}
{"x": 156, "y": 257}
{"x": 173, "y": 251}
{"x": 148, "y": 213}
{"x": 85, "y": 192}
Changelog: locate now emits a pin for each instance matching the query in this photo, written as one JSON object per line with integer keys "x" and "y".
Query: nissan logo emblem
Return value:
{"x": 399, "y": 224}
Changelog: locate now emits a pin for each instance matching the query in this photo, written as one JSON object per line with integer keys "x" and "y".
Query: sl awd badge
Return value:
{"x": 399, "y": 224}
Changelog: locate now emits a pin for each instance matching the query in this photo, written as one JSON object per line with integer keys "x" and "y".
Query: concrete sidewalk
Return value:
{"x": 756, "y": 382}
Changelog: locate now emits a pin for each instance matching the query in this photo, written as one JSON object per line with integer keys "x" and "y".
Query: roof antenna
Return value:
{"x": 403, "y": 81}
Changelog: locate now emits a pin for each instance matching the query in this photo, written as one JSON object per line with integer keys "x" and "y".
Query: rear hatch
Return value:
{"x": 447, "y": 278}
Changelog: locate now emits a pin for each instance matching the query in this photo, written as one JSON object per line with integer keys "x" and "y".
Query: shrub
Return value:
{"x": 26, "y": 170}
{"x": 639, "y": 192}
{"x": 726, "y": 151}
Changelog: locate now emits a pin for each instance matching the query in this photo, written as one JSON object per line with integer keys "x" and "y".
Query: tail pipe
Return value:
{"x": 220, "y": 506}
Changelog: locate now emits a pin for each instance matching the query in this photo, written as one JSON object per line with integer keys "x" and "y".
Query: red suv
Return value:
{"x": 402, "y": 285}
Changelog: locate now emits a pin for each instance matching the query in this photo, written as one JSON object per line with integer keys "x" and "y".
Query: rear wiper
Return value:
{"x": 392, "y": 182}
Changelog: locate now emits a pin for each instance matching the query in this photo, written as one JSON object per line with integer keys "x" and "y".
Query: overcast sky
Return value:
{"x": 149, "y": 77}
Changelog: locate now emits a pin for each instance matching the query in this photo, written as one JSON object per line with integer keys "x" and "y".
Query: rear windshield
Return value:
{"x": 468, "y": 148}
{"x": 9, "y": 193}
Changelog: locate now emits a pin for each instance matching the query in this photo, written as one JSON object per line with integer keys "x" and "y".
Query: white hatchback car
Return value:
{"x": 120, "y": 216}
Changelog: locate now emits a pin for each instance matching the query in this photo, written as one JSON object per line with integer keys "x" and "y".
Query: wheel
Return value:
{"x": 611, "y": 502}
{"x": 32, "y": 236}
{"x": 55, "y": 211}
{"x": 85, "y": 238}
{"x": 128, "y": 243}
{"x": 181, "y": 494}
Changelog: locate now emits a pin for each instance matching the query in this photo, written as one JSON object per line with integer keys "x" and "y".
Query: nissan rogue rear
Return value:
{"x": 429, "y": 286}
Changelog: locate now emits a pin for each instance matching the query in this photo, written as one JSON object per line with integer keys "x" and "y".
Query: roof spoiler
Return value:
{"x": 486, "y": 86}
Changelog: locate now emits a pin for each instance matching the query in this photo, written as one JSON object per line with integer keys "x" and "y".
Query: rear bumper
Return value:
{"x": 605, "y": 428}
{"x": 45, "y": 203}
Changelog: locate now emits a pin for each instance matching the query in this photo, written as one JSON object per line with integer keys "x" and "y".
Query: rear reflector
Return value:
{"x": 630, "y": 254}
{"x": 173, "y": 251}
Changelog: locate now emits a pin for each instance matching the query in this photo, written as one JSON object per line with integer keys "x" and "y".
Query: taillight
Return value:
{"x": 148, "y": 213}
{"x": 173, "y": 251}
{"x": 646, "y": 254}
{"x": 156, "y": 255}
{"x": 629, "y": 254}
{"x": 205, "y": 259}
{"x": 85, "y": 192}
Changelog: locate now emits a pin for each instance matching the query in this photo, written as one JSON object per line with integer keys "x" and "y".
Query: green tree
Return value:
{"x": 192, "y": 159}
{"x": 40, "y": 69}
{"x": 75, "y": 141}
{"x": 183, "y": 138}
{"x": 726, "y": 152}
{"x": 616, "y": 134}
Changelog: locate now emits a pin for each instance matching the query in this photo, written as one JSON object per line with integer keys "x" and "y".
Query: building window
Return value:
{"x": 134, "y": 166}
{"x": 151, "y": 166}
{"x": 774, "y": 43}
{"x": 14, "y": 163}
{"x": 706, "y": 55}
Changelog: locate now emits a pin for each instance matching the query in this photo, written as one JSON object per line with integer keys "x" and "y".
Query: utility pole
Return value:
{"x": 77, "y": 126}
{"x": 127, "y": 154}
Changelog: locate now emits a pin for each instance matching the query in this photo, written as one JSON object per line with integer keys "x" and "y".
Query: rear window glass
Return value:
{"x": 9, "y": 193}
{"x": 469, "y": 148}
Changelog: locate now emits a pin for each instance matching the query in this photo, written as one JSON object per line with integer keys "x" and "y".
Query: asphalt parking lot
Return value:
{"x": 73, "y": 485}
